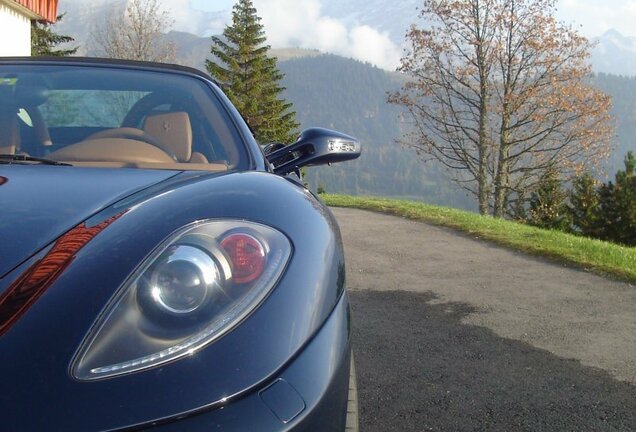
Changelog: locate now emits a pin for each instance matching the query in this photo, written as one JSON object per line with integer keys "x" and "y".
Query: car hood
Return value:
{"x": 40, "y": 203}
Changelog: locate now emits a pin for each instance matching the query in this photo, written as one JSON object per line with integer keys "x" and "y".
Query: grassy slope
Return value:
{"x": 601, "y": 257}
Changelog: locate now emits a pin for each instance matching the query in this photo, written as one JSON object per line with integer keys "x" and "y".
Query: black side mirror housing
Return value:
{"x": 315, "y": 146}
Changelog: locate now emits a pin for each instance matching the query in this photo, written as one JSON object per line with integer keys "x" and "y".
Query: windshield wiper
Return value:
{"x": 9, "y": 158}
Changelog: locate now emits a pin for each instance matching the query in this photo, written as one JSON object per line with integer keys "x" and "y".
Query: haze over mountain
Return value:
{"x": 350, "y": 96}
{"x": 615, "y": 54}
{"x": 359, "y": 24}
{"x": 288, "y": 23}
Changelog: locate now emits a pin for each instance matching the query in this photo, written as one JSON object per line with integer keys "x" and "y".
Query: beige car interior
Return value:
{"x": 10, "y": 136}
{"x": 165, "y": 142}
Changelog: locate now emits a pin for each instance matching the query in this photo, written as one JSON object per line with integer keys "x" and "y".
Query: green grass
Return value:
{"x": 595, "y": 255}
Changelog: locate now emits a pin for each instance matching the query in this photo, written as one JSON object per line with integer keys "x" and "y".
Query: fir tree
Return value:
{"x": 584, "y": 200}
{"x": 548, "y": 208}
{"x": 250, "y": 78}
{"x": 617, "y": 206}
{"x": 44, "y": 40}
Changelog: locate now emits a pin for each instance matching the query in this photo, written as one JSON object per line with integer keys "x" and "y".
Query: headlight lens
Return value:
{"x": 181, "y": 280}
{"x": 191, "y": 290}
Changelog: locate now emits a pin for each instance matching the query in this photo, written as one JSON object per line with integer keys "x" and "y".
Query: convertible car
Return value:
{"x": 159, "y": 269}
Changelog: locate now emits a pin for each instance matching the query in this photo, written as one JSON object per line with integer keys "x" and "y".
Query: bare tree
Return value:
{"x": 498, "y": 93}
{"x": 549, "y": 115}
{"x": 448, "y": 97}
{"x": 137, "y": 34}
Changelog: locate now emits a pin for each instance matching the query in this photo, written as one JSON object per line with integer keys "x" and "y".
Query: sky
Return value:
{"x": 295, "y": 23}
{"x": 302, "y": 23}
{"x": 594, "y": 16}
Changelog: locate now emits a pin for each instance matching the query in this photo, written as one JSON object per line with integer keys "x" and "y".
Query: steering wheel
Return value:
{"x": 147, "y": 104}
{"x": 132, "y": 134}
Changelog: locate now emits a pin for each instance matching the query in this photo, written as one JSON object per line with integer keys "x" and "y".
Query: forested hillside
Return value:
{"x": 623, "y": 92}
{"x": 343, "y": 94}
{"x": 350, "y": 96}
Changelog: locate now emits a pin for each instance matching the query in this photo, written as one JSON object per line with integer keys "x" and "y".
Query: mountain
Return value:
{"x": 623, "y": 92}
{"x": 83, "y": 15}
{"x": 615, "y": 54}
{"x": 350, "y": 96}
{"x": 194, "y": 50}
{"x": 393, "y": 17}
{"x": 80, "y": 18}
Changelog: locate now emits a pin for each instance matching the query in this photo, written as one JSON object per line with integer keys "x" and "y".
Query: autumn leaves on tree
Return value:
{"x": 250, "y": 78}
{"x": 499, "y": 94}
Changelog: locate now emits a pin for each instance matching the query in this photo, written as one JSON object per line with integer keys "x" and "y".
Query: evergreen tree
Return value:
{"x": 44, "y": 40}
{"x": 250, "y": 78}
{"x": 617, "y": 206}
{"x": 548, "y": 208}
{"x": 584, "y": 200}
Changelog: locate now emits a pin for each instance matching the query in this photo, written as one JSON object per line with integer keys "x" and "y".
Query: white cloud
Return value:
{"x": 190, "y": 19}
{"x": 300, "y": 23}
{"x": 288, "y": 24}
{"x": 374, "y": 47}
{"x": 594, "y": 17}
{"x": 295, "y": 23}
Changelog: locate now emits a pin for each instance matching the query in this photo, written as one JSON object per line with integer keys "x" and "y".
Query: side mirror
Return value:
{"x": 315, "y": 146}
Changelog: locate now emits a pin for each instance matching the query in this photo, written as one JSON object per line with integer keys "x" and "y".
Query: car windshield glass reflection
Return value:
{"x": 108, "y": 117}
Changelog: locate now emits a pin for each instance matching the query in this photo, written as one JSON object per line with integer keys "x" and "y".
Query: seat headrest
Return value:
{"x": 173, "y": 132}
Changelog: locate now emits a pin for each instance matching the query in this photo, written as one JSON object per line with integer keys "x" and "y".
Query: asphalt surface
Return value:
{"x": 455, "y": 334}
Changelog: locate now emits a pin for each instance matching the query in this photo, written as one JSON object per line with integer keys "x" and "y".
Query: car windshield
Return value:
{"x": 115, "y": 117}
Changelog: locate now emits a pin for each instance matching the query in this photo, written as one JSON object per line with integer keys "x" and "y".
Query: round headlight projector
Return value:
{"x": 181, "y": 281}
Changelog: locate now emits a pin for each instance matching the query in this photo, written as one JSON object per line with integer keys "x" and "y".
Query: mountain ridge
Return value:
{"x": 613, "y": 53}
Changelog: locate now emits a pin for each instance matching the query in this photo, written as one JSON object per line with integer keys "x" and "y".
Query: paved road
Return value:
{"x": 455, "y": 334}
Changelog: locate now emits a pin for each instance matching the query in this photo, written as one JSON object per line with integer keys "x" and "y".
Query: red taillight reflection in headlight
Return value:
{"x": 247, "y": 255}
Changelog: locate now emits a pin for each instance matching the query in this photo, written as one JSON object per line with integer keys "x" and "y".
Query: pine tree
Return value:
{"x": 584, "y": 201}
{"x": 617, "y": 206}
{"x": 44, "y": 40}
{"x": 250, "y": 78}
{"x": 548, "y": 208}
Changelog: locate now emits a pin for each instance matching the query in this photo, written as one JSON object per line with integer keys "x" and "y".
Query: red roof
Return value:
{"x": 47, "y": 9}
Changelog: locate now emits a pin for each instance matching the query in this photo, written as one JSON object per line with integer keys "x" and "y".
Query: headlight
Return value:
{"x": 195, "y": 287}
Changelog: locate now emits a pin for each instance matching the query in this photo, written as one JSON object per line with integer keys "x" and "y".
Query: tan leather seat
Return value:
{"x": 10, "y": 135}
{"x": 125, "y": 147}
{"x": 120, "y": 150}
{"x": 173, "y": 132}
{"x": 198, "y": 158}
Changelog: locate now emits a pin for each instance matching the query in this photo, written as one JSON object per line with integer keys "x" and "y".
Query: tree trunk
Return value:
{"x": 483, "y": 192}
{"x": 503, "y": 166}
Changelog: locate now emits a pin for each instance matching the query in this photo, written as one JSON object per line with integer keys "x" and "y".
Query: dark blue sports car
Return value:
{"x": 158, "y": 268}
